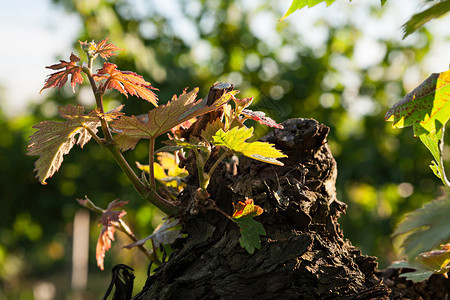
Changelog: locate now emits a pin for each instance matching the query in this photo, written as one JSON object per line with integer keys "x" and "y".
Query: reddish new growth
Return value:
{"x": 109, "y": 220}
{"x": 102, "y": 48}
{"x": 59, "y": 78}
{"x": 261, "y": 118}
{"x": 246, "y": 209}
{"x": 126, "y": 82}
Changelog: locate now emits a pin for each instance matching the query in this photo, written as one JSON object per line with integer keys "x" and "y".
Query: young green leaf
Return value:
{"x": 299, "y": 4}
{"x": 426, "y": 108}
{"x": 54, "y": 139}
{"x": 164, "y": 117}
{"x": 434, "y": 142}
{"x": 166, "y": 170}
{"x": 58, "y": 79}
{"x": 235, "y": 138}
{"x": 426, "y": 264}
{"x": 211, "y": 128}
{"x": 425, "y": 228}
{"x": 437, "y": 260}
{"x": 251, "y": 230}
{"x": 419, "y": 274}
{"x": 126, "y": 82}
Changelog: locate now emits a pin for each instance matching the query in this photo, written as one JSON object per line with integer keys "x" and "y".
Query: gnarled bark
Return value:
{"x": 304, "y": 254}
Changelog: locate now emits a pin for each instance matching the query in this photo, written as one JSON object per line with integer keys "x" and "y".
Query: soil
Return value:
{"x": 304, "y": 254}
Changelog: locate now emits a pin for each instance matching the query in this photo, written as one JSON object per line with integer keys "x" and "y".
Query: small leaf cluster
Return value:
{"x": 225, "y": 132}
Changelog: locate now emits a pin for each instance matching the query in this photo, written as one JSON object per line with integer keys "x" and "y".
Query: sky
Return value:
{"x": 35, "y": 33}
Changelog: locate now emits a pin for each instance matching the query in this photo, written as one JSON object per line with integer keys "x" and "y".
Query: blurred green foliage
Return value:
{"x": 382, "y": 173}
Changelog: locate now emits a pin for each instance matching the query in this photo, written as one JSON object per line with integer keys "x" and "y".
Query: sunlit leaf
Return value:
{"x": 437, "y": 10}
{"x": 436, "y": 260}
{"x": 299, "y": 4}
{"x": 164, "y": 117}
{"x": 102, "y": 48}
{"x": 433, "y": 142}
{"x": 425, "y": 228}
{"x": 53, "y": 140}
{"x": 235, "y": 140}
{"x": 261, "y": 118}
{"x": 246, "y": 209}
{"x": 427, "y": 108}
{"x": 164, "y": 234}
{"x": 58, "y": 79}
{"x": 166, "y": 169}
{"x": 210, "y": 129}
{"x": 109, "y": 220}
{"x": 126, "y": 82}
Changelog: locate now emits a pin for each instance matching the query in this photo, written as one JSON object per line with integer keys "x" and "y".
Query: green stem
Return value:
{"x": 94, "y": 136}
{"x": 441, "y": 159}
{"x": 149, "y": 194}
{"x": 217, "y": 162}
{"x": 150, "y": 254}
{"x": 203, "y": 180}
{"x": 151, "y": 166}
{"x": 168, "y": 207}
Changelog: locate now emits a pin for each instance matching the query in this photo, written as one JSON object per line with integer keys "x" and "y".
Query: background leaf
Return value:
{"x": 418, "y": 20}
{"x": 426, "y": 228}
{"x": 299, "y": 4}
{"x": 419, "y": 274}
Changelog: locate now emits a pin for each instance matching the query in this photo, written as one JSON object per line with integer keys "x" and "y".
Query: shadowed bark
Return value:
{"x": 304, "y": 254}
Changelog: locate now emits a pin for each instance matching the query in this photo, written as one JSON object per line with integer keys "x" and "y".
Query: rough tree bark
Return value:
{"x": 304, "y": 254}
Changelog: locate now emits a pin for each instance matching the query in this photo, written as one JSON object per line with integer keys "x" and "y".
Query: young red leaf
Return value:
{"x": 109, "y": 220}
{"x": 261, "y": 118}
{"x": 58, "y": 79}
{"x": 164, "y": 117}
{"x": 54, "y": 139}
{"x": 126, "y": 82}
{"x": 247, "y": 209}
{"x": 102, "y": 48}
